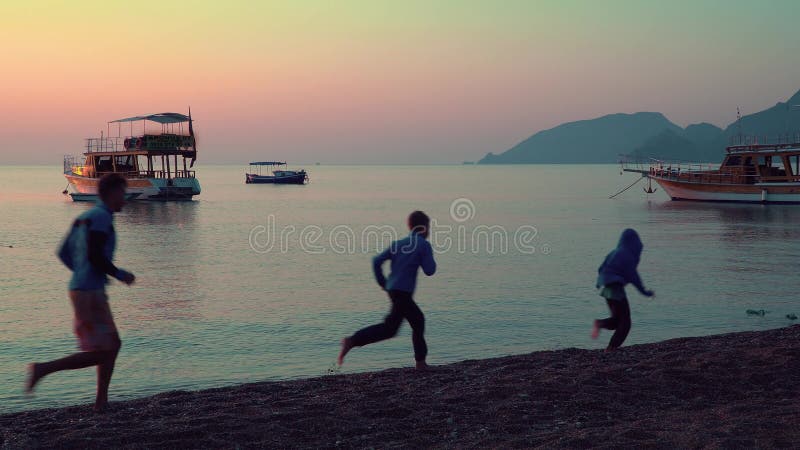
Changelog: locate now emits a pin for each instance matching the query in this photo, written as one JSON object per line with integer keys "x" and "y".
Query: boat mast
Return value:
{"x": 739, "y": 124}
{"x": 194, "y": 141}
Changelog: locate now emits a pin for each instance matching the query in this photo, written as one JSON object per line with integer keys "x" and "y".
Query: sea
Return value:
{"x": 251, "y": 283}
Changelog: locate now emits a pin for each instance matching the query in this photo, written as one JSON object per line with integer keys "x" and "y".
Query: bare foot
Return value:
{"x": 33, "y": 378}
{"x": 101, "y": 408}
{"x": 610, "y": 349}
{"x": 347, "y": 345}
{"x": 422, "y": 365}
{"x": 595, "y": 330}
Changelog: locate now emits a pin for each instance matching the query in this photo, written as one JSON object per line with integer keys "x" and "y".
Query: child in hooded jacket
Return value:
{"x": 617, "y": 270}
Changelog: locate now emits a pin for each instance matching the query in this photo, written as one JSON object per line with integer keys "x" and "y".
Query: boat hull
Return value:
{"x": 153, "y": 189}
{"x": 737, "y": 193}
{"x": 261, "y": 179}
{"x": 76, "y": 197}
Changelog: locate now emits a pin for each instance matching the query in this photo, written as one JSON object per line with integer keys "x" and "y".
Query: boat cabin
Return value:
{"x": 147, "y": 151}
{"x": 750, "y": 163}
{"x": 763, "y": 163}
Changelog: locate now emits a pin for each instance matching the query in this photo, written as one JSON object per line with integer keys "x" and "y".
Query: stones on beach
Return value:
{"x": 762, "y": 313}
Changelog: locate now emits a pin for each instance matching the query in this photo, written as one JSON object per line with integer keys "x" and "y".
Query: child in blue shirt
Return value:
{"x": 407, "y": 255}
{"x": 617, "y": 270}
{"x": 88, "y": 252}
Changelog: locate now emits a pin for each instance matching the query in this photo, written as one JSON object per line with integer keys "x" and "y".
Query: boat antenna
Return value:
{"x": 194, "y": 141}
{"x": 739, "y": 123}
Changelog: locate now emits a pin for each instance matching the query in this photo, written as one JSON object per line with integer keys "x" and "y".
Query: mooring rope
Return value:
{"x": 629, "y": 186}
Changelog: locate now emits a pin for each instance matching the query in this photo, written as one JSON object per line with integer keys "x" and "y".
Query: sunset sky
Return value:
{"x": 380, "y": 81}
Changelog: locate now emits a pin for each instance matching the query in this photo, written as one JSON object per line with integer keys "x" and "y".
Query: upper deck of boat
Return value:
{"x": 149, "y": 145}
{"x": 170, "y": 137}
{"x": 761, "y": 146}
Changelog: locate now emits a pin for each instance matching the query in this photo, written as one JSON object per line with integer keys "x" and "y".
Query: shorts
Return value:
{"x": 93, "y": 325}
{"x": 614, "y": 291}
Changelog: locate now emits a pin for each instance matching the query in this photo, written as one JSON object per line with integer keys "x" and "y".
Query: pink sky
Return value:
{"x": 365, "y": 82}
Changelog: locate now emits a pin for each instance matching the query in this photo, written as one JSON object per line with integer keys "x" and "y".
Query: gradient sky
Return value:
{"x": 380, "y": 81}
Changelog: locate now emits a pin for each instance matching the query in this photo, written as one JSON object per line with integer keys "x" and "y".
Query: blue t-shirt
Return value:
{"x": 407, "y": 255}
{"x": 86, "y": 277}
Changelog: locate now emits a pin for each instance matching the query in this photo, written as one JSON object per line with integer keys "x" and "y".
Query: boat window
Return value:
{"x": 748, "y": 161}
{"x": 733, "y": 161}
{"x": 795, "y": 163}
{"x": 124, "y": 163}
{"x": 777, "y": 169}
{"x": 103, "y": 164}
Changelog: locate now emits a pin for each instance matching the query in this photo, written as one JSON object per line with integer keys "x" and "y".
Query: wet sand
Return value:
{"x": 737, "y": 390}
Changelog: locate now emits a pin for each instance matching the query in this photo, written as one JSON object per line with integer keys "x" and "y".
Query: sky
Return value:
{"x": 380, "y": 82}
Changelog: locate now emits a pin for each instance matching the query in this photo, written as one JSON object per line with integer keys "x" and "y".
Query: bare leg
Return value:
{"x": 595, "y": 329}
{"x": 104, "y": 372}
{"x": 80, "y": 360}
{"x": 347, "y": 345}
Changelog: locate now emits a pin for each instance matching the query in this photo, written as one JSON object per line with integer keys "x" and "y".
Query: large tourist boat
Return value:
{"x": 279, "y": 176}
{"x": 754, "y": 170}
{"x": 150, "y": 151}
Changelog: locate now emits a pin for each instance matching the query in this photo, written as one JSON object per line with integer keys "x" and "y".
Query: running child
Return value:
{"x": 88, "y": 251}
{"x": 407, "y": 255}
{"x": 617, "y": 270}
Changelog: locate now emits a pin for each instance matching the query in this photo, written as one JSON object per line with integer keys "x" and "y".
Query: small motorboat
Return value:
{"x": 279, "y": 176}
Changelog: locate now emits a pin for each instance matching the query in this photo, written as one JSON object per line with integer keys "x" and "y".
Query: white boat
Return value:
{"x": 753, "y": 171}
{"x": 153, "y": 161}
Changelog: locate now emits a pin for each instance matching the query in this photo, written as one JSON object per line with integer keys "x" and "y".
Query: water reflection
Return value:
{"x": 740, "y": 221}
{"x": 160, "y": 213}
{"x": 748, "y": 239}
{"x": 158, "y": 241}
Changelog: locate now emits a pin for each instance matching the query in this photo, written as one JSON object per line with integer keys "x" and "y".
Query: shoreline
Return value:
{"x": 732, "y": 390}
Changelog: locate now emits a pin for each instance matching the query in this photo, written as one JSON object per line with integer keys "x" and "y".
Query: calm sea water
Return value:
{"x": 215, "y": 305}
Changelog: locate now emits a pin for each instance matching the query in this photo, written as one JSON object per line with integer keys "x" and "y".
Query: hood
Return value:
{"x": 630, "y": 242}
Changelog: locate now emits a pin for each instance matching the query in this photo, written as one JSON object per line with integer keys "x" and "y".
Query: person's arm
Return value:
{"x": 97, "y": 258}
{"x": 636, "y": 281}
{"x": 64, "y": 254}
{"x": 377, "y": 266}
{"x": 428, "y": 263}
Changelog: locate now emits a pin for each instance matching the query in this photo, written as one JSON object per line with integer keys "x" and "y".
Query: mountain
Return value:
{"x": 598, "y": 140}
{"x": 701, "y": 142}
{"x": 702, "y": 132}
{"x": 645, "y": 135}
{"x": 778, "y": 120}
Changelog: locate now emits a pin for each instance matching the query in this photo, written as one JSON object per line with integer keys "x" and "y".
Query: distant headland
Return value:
{"x": 644, "y": 135}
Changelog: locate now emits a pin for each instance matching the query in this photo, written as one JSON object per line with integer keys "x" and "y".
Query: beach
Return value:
{"x": 733, "y": 390}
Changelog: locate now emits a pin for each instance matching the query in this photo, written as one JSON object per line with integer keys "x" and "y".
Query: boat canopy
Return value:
{"x": 162, "y": 118}
{"x": 267, "y": 163}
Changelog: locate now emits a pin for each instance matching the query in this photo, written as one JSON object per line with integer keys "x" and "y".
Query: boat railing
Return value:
{"x": 153, "y": 174}
{"x": 117, "y": 144}
{"x": 711, "y": 174}
{"x": 69, "y": 162}
{"x": 703, "y": 177}
{"x": 781, "y": 139}
{"x": 629, "y": 164}
{"x": 102, "y": 144}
